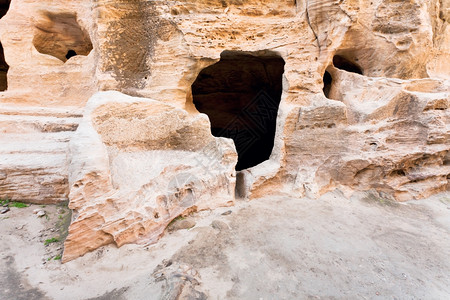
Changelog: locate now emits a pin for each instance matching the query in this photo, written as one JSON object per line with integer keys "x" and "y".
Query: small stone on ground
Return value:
{"x": 181, "y": 224}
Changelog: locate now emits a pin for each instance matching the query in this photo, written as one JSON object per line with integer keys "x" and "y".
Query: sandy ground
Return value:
{"x": 272, "y": 248}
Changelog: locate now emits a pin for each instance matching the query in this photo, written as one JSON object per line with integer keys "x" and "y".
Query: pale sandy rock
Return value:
{"x": 36, "y": 37}
{"x": 33, "y": 152}
{"x": 397, "y": 141}
{"x": 364, "y": 102}
{"x": 137, "y": 164}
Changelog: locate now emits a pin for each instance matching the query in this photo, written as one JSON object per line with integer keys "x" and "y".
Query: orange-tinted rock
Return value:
{"x": 364, "y": 103}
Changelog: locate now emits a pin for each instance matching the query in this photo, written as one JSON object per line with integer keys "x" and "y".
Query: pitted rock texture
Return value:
{"x": 364, "y": 100}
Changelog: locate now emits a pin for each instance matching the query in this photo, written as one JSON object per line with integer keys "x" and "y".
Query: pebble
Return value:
{"x": 227, "y": 213}
{"x": 41, "y": 213}
{"x": 219, "y": 225}
{"x": 181, "y": 224}
{"x": 4, "y": 210}
{"x": 36, "y": 211}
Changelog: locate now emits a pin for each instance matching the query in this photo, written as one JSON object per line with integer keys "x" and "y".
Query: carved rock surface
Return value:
{"x": 364, "y": 104}
{"x": 137, "y": 164}
{"x": 390, "y": 135}
{"x": 33, "y": 152}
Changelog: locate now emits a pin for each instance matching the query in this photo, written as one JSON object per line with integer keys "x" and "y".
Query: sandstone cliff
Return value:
{"x": 316, "y": 95}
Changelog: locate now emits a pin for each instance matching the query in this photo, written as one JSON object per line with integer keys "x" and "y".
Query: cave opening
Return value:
{"x": 241, "y": 94}
{"x": 327, "y": 82}
{"x": 3, "y": 70}
{"x": 345, "y": 64}
{"x": 70, "y": 53}
{"x": 4, "y": 7}
{"x": 60, "y": 35}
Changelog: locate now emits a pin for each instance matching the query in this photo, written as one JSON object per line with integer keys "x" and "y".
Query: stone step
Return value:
{"x": 33, "y": 152}
{"x": 59, "y": 112}
{"x": 34, "y": 143}
{"x": 36, "y": 178}
{"x": 62, "y": 136}
{"x": 24, "y": 119}
{"x": 24, "y": 123}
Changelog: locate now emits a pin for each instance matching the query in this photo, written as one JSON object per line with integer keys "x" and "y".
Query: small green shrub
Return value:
{"x": 57, "y": 257}
{"x": 4, "y": 201}
{"x": 52, "y": 240}
{"x": 12, "y": 204}
{"x": 18, "y": 204}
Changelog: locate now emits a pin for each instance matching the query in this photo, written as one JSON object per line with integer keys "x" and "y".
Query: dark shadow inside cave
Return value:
{"x": 345, "y": 64}
{"x": 241, "y": 94}
{"x": 71, "y": 53}
{"x": 327, "y": 81}
{"x": 4, "y": 7}
{"x": 3, "y": 70}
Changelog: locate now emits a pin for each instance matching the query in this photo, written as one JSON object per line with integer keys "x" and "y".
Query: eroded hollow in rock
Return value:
{"x": 4, "y": 7}
{"x": 241, "y": 95}
{"x": 3, "y": 70}
{"x": 327, "y": 82}
{"x": 70, "y": 53}
{"x": 60, "y": 35}
{"x": 343, "y": 63}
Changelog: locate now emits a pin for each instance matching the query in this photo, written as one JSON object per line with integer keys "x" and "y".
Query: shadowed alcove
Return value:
{"x": 241, "y": 94}
{"x": 327, "y": 82}
{"x": 70, "y": 53}
{"x": 4, "y": 7}
{"x": 345, "y": 64}
{"x": 3, "y": 71}
{"x": 60, "y": 35}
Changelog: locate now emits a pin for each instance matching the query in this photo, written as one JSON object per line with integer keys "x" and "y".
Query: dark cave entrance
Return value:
{"x": 70, "y": 53}
{"x": 327, "y": 82}
{"x": 241, "y": 94}
{"x": 3, "y": 71}
{"x": 4, "y": 7}
{"x": 345, "y": 64}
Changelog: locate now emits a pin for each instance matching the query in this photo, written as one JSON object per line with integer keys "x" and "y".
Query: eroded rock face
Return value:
{"x": 61, "y": 36}
{"x": 37, "y": 37}
{"x": 364, "y": 104}
{"x": 137, "y": 164}
{"x": 388, "y": 135}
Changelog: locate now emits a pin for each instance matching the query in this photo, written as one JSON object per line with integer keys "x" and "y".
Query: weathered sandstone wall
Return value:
{"x": 364, "y": 104}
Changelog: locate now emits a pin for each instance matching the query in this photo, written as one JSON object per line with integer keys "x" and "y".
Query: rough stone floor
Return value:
{"x": 364, "y": 247}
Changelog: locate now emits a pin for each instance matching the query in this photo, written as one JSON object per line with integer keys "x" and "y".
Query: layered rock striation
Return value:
{"x": 358, "y": 100}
